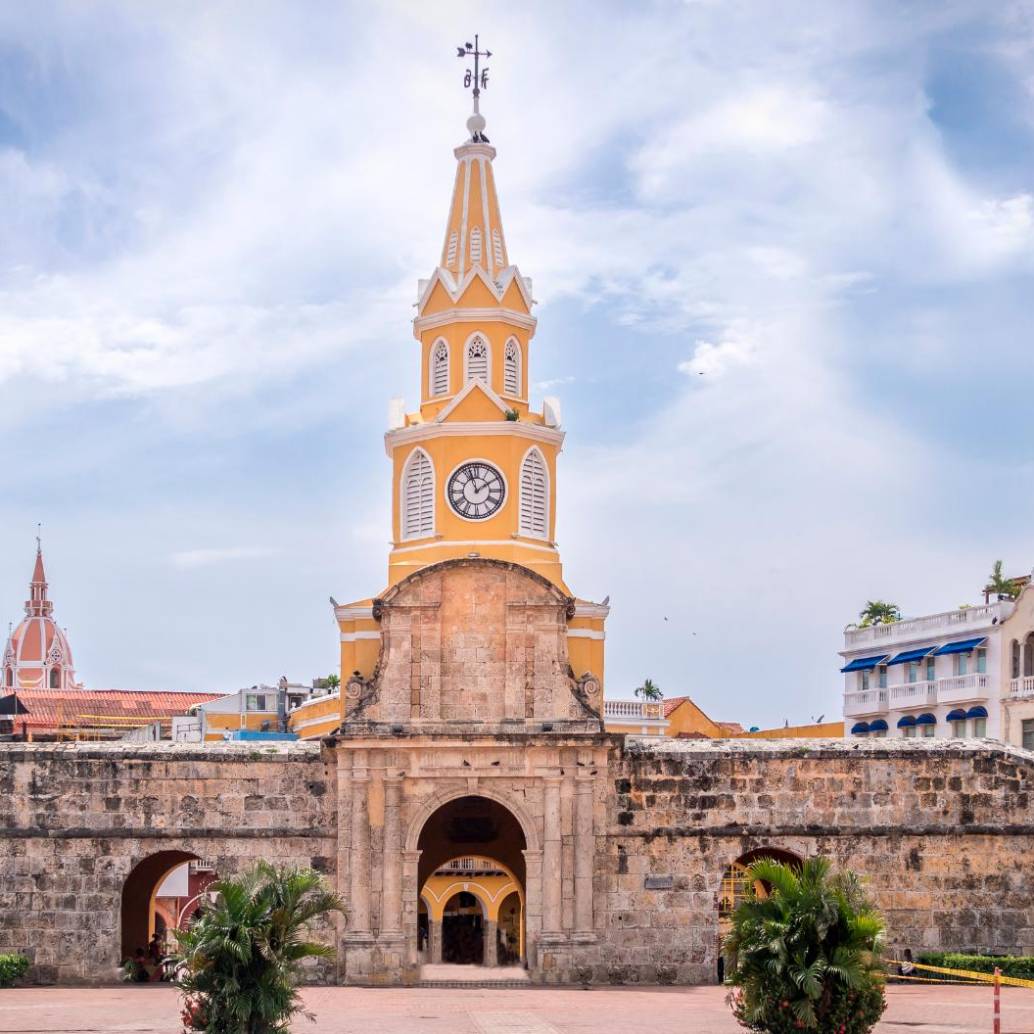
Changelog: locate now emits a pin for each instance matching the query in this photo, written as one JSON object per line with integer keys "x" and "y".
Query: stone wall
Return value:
{"x": 941, "y": 831}
{"x": 77, "y": 819}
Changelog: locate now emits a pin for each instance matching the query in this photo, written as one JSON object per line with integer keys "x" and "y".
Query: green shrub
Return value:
{"x": 1011, "y": 965}
{"x": 806, "y": 952}
{"x": 239, "y": 963}
{"x": 12, "y": 967}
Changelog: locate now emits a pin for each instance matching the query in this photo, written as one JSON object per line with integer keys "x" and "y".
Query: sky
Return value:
{"x": 783, "y": 255}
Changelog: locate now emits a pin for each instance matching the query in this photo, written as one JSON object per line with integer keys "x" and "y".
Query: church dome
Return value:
{"x": 37, "y": 654}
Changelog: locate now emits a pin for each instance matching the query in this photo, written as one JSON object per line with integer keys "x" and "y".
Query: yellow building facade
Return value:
{"x": 475, "y": 464}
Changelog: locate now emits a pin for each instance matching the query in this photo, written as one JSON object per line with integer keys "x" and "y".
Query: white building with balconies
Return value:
{"x": 961, "y": 673}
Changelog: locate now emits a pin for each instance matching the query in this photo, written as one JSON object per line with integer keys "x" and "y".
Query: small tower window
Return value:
{"x": 497, "y": 246}
{"x": 440, "y": 369}
{"x": 417, "y": 496}
{"x": 477, "y": 360}
{"x": 512, "y": 368}
{"x": 475, "y": 246}
{"x": 55, "y": 678}
{"x": 450, "y": 254}
{"x": 534, "y": 519}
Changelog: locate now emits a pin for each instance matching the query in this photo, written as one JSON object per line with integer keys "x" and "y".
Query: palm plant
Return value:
{"x": 649, "y": 691}
{"x": 333, "y": 680}
{"x": 1000, "y": 586}
{"x": 879, "y": 612}
{"x": 806, "y": 950}
{"x": 239, "y": 964}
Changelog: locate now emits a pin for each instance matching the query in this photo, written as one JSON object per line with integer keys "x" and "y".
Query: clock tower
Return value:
{"x": 474, "y": 465}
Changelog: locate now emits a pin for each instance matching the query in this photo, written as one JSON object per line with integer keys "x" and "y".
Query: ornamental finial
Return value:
{"x": 476, "y": 81}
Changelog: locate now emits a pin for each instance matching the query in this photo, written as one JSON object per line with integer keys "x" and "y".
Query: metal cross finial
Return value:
{"x": 39, "y": 533}
{"x": 475, "y": 81}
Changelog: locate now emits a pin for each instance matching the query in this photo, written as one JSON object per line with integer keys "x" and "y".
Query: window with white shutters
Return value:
{"x": 534, "y": 496}
{"x": 512, "y": 368}
{"x": 440, "y": 369}
{"x": 497, "y": 247}
{"x": 475, "y": 246}
{"x": 477, "y": 360}
{"x": 417, "y": 496}
{"x": 450, "y": 255}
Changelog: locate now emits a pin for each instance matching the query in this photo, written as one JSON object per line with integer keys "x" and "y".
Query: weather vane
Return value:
{"x": 478, "y": 80}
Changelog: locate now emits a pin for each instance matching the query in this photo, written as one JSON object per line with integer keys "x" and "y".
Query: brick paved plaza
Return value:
{"x": 701, "y": 1010}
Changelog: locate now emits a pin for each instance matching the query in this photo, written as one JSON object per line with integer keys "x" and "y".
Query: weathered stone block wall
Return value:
{"x": 941, "y": 831}
{"x": 75, "y": 820}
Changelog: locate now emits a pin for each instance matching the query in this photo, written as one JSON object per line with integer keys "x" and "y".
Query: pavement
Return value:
{"x": 916, "y": 1009}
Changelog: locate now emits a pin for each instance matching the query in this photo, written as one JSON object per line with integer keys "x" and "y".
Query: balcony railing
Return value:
{"x": 869, "y": 701}
{"x": 951, "y": 690}
{"x": 963, "y": 620}
{"x": 1022, "y": 687}
{"x": 633, "y": 711}
{"x": 913, "y": 694}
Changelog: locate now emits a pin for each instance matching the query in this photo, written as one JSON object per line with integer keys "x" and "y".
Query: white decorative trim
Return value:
{"x": 486, "y": 230}
{"x": 461, "y": 265}
{"x": 517, "y": 428}
{"x": 585, "y": 633}
{"x": 590, "y": 610}
{"x": 353, "y": 613}
{"x": 486, "y": 463}
{"x": 351, "y": 637}
{"x": 310, "y": 722}
{"x": 474, "y": 542}
{"x": 455, "y": 290}
{"x": 473, "y": 315}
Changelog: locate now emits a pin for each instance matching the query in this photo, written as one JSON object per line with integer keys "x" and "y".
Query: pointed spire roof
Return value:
{"x": 474, "y": 236}
{"x": 38, "y": 604}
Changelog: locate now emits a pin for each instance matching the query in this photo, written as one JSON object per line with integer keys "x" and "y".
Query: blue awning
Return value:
{"x": 910, "y": 655}
{"x": 859, "y": 727}
{"x": 977, "y": 712}
{"x": 958, "y": 715}
{"x": 907, "y": 722}
{"x": 962, "y": 646}
{"x": 926, "y": 719}
{"x": 865, "y": 663}
{"x": 878, "y": 726}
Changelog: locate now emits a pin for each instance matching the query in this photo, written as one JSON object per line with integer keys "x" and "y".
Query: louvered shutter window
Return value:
{"x": 512, "y": 369}
{"x": 534, "y": 519}
{"x": 450, "y": 255}
{"x": 497, "y": 247}
{"x": 475, "y": 246}
{"x": 440, "y": 369}
{"x": 417, "y": 497}
{"x": 477, "y": 361}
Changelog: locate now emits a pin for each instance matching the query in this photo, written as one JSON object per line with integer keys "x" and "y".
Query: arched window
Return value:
{"x": 477, "y": 360}
{"x": 1015, "y": 659}
{"x": 475, "y": 246}
{"x": 450, "y": 255}
{"x": 417, "y": 496}
{"x": 55, "y": 678}
{"x": 439, "y": 369}
{"x": 10, "y": 676}
{"x": 512, "y": 368}
{"x": 534, "y": 496}
{"x": 497, "y": 247}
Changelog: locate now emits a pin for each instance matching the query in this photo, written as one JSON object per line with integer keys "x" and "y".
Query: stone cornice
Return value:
{"x": 423, "y": 432}
{"x": 480, "y": 315}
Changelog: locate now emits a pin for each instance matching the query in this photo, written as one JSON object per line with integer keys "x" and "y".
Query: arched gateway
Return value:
{"x": 471, "y": 746}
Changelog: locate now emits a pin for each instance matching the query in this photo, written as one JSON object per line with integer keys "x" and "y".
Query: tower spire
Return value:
{"x": 475, "y": 80}
{"x": 37, "y": 605}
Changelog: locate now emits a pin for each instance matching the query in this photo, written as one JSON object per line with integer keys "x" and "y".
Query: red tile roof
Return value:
{"x": 671, "y": 703}
{"x": 92, "y": 708}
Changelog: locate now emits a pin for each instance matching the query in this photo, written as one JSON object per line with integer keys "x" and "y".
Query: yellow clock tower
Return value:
{"x": 474, "y": 468}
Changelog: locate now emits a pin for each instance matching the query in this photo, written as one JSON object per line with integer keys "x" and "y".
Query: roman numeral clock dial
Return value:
{"x": 476, "y": 491}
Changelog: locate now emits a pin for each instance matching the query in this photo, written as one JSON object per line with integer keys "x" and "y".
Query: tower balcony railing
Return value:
{"x": 914, "y": 694}
{"x": 633, "y": 710}
{"x": 957, "y": 688}
{"x": 866, "y": 701}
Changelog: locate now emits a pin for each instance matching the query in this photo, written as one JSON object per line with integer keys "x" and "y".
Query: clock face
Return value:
{"x": 476, "y": 490}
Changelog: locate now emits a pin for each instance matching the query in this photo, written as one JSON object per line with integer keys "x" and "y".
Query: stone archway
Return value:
{"x": 470, "y": 844}
{"x": 138, "y": 898}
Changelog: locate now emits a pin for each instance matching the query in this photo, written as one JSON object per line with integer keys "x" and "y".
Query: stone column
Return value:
{"x": 584, "y": 851}
{"x": 552, "y": 877}
{"x": 391, "y": 875}
{"x": 434, "y": 940}
{"x": 490, "y": 955}
{"x": 359, "y": 897}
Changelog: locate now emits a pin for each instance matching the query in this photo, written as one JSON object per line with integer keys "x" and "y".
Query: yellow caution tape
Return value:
{"x": 972, "y": 974}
